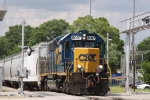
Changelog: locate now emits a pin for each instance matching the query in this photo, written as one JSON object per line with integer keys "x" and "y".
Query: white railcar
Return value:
{"x": 33, "y": 63}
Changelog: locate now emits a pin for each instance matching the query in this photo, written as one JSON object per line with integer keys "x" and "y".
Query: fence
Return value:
{"x": 120, "y": 81}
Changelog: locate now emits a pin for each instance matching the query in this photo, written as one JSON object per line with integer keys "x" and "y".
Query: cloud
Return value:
{"x": 37, "y": 12}
{"x": 68, "y": 10}
{"x": 35, "y": 17}
{"x": 50, "y": 5}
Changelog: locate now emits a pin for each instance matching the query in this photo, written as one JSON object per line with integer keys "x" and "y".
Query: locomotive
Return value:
{"x": 73, "y": 63}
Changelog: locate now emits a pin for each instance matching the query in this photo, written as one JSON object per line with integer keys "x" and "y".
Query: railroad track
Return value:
{"x": 45, "y": 95}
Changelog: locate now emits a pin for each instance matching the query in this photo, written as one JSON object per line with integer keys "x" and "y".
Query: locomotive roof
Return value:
{"x": 80, "y": 33}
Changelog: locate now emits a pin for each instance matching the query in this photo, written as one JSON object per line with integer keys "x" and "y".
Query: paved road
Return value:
{"x": 13, "y": 95}
{"x": 61, "y": 96}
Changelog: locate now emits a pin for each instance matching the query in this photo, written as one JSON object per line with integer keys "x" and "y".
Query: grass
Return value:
{"x": 5, "y": 90}
{"x": 120, "y": 89}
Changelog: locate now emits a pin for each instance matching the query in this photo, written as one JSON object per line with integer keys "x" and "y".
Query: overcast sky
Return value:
{"x": 35, "y": 12}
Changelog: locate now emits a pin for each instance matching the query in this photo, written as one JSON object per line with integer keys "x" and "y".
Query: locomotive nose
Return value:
{"x": 86, "y": 59}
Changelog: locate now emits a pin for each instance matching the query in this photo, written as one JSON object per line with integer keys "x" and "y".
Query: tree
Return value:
{"x": 114, "y": 55}
{"x": 101, "y": 27}
{"x": 4, "y": 44}
{"x": 145, "y": 72}
{"x": 145, "y": 47}
{"x": 14, "y": 38}
{"x": 48, "y": 30}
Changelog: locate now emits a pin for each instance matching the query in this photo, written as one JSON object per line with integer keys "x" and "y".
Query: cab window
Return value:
{"x": 67, "y": 45}
{"x": 77, "y": 44}
{"x": 99, "y": 45}
{"x": 89, "y": 44}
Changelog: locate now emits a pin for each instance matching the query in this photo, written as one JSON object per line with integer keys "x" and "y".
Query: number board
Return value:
{"x": 76, "y": 37}
{"x": 91, "y": 38}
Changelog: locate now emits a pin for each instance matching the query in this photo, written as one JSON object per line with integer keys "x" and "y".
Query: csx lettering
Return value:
{"x": 87, "y": 57}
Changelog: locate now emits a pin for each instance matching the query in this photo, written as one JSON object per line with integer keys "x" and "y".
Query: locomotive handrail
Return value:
{"x": 65, "y": 61}
{"x": 109, "y": 70}
{"x": 104, "y": 59}
{"x": 67, "y": 70}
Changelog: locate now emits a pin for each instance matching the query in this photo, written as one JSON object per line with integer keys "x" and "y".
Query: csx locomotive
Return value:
{"x": 73, "y": 63}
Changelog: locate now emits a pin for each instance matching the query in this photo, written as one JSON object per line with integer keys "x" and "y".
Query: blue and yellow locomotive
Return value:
{"x": 77, "y": 65}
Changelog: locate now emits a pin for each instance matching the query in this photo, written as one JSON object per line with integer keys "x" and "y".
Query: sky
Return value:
{"x": 35, "y": 12}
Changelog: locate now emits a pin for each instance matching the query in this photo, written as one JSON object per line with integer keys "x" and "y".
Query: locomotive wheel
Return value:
{"x": 27, "y": 86}
{"x": 43, "y": 85}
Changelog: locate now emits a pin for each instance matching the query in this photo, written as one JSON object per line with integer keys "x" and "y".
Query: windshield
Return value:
{"x": 89, "y": 44}
{"x": 85, "y": 44}
{"x": 77, "y": 44}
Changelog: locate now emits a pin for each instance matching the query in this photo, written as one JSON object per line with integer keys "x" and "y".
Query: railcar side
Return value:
{"x": 33, "y": 63}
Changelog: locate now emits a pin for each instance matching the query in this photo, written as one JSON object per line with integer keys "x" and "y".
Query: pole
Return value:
{"x": 142, "y": 61}
{"x": 90, "y": 6}
{"x": 20, "y": 90}
{"x": 23, "y": 22}
{"x": 107, "y": 47}
{"x": 127, "y": 53}
{"x": 133, "y": 64}
{"x": 5, "y": 5}
{"x": 1, "y": 76}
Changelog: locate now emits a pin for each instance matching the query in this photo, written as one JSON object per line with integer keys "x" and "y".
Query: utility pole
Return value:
{"x": 90, "y": 6}
{"x": 107, "y": 47}
{"x": 127, "y": 52}
{"x": 133, "y": 61}
{"x": 108, "y": 38}
{"x": 23, "y": 23}
{"x": 22, "y": 70}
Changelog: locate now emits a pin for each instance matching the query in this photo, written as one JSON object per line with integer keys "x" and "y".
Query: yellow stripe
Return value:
{"x": 53, "y": 73}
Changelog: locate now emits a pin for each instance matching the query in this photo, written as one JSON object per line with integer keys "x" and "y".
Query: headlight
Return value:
{"x": 84, "y": 38}
{"x": 79, "y": 66}
{"x": 97, "y": 74}
{"x": 84, "y": 34}
{"x": 100, "y": 66}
